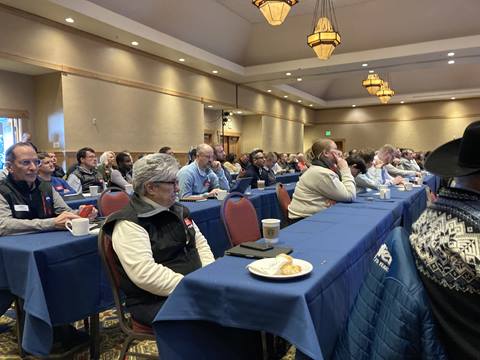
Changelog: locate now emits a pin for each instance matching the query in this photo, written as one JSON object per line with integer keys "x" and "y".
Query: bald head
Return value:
{"x": 204, "y": 156}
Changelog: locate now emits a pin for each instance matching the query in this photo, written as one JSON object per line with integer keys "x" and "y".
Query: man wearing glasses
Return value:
{"x": 155, "y": 241}
{"x": 204, "y": 176}
{"x": 85, "y": 175}
{"x": 256, "y": 169}
{"x": 26, "y": 203}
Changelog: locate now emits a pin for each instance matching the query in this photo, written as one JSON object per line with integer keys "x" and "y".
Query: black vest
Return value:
{"x": 19, "y": 196}
{"x": 88, "y": 178}
{"x": 172, "y": 238}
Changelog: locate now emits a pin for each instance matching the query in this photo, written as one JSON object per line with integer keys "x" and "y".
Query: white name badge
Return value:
{"x": 21, "y": 207}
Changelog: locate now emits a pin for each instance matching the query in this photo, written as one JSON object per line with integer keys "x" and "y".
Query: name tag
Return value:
{"x": 21, "y": 207}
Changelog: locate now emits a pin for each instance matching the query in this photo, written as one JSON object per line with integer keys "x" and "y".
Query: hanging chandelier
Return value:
{"x": 385, "y": 93}
{"x": 372, "y": 83}
{"x": 275, "y": 11}
{"x": 325, "y": 37}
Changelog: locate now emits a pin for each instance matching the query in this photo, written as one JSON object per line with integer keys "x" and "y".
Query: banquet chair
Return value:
{"x": 133, "y": 329}
{"x": 240, "y": 219}
{"x": 283, "y": 202}
{"x": 111, "y": 200}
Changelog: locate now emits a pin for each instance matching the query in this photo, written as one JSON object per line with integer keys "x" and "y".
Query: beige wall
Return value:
{"x": 281, "y": 135}
{"x": 420, "y": 126}
{"x": 17, "y": 96}
{"x": 49, "y": 122}
{"x": 251, "y": 133}
{"x": 127, "y": 118}
{"x": 213, "y": 122}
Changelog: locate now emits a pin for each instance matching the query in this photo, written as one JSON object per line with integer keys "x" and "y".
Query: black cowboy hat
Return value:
{"x": 459, "y": 157}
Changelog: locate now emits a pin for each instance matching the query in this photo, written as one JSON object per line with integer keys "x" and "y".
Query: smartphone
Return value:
{"x": 256, "y": 246}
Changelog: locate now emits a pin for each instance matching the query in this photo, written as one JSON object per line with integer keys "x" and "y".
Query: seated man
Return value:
{"x": 204, "y": 176}
{"x": 407, "y": 161}
{"x": 166, "y": 150}
{"x": 45, "y": 173}
{"x": 393, "y": 167}
{"x": 446, "y": 244}
{"x": 122, "y": 175}
{"x": 364, "y": 181}
{"x": 26, "y": 203}
{"x": 256, "y": 169}
{"x": 155, "y": 240}
{"x": 378, "y": 172}
{"x": 59, "y": 172}
{"x": 219, "y": 155}
{"x": 302, "y": 163}
{"x": 270, "y": 162}
{"x": 85, "y": 174}
{"x": 327, "y": 181}
{"x": 282, "y": 164}
{"x": 357, "y": 167}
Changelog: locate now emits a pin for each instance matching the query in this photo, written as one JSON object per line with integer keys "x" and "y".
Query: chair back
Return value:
{"x": 283, "y": 202}
{"x": 240, "y": 219}
{"x": 111, "y": 200}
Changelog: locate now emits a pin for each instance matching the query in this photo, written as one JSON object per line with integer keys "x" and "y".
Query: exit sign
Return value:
{"x": 328, "y": 133}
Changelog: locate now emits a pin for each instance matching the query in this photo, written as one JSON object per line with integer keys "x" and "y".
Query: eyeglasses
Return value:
{"x": 259, "y": 157}
{"x": 35, "y": 162}
{"x": 175, "y": 182}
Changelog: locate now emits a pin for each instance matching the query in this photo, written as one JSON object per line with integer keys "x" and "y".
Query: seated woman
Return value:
{"x": 107, "y": 164}
{"x": 155, "y": 241}
{"x": 327, "y": 181}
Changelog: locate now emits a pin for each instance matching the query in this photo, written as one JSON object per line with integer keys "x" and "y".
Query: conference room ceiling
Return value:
{"x": 404, "y": 41}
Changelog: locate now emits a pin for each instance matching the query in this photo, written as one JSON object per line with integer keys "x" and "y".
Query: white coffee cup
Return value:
{"x": 93, "y": 190}
{"x": 78, "y": 227}
{"x": 261, "y": 184}
{"x": 222, "y": 194}
{"x": 271, "y": 230}
{"x": 129, "y": 189}
{"x": 408, "y": 186}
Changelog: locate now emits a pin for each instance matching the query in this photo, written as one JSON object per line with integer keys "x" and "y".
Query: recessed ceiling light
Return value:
{"x": 450, "y": 62}
{"x": 134, "y": 43}
{"x": 269, "y": 90}
{"x": 288, "y": 73}
{"x": 451, "y": 54}
{"x": 215, "y": 71}
{"x": 364, "y": 64}
{"x": 299, "y": 101}
{"x": 354, "y": 105}
{"x": 210, "y": 106}
{"x": 371, "y": 71}
{"x": 69, "y": 20}
{"x": 181, "y": 60}
{"x": 239, "y": 112}
{"x": 299, "y": 79}
{"x": 452, "y": 98}
{"x": 402, "y": 102}
{"x": 285, "y": 96}
{"x": 311, "y": 105}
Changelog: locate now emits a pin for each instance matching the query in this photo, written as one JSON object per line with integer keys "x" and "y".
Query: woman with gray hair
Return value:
{"x": 155, "y": 240}
{"x": 107, "y": 162}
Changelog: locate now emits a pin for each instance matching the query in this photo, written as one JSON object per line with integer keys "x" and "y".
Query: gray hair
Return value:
{"x": 203, "y": 148}
{"x": 151, "y": 168}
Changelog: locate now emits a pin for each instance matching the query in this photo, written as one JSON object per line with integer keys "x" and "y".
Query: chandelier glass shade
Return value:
{"x": 325, "y": 36}
{"x": 385, "y": 93}
{"x": 275, "y": 11}
{"x": 372, "y": 83}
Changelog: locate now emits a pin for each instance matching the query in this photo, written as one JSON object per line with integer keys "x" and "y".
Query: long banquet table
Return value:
{"x": 61, "y": 279}
{"x": 309, "y": 312}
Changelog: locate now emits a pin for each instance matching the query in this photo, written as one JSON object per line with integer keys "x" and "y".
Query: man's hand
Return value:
{"x": 378, "y": 164}
{"x": 216, "y": 165}
{"x": 214, "y": 192}
{"x": 93, "y": 214}
{"x": 397, "y": 180}
{"x": 61, "y": 219}
{"x": 341, "y": 162}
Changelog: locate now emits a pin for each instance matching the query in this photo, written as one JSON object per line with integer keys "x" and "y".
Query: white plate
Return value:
{"x": 305, "y": 265}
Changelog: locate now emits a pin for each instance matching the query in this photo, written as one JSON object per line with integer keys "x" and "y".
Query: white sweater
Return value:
{"x": 318, "y": 189}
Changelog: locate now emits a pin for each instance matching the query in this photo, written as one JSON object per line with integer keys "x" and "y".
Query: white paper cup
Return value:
{"x": 222, "y": 194}
{"x": 78, "y": 227}
{"x": 93, "y": 190}
{"x": 271, "y": 230}
{"x": 261, "y": 184}
{"x": 129, "y": 189}
{"x": 408, "y": 186}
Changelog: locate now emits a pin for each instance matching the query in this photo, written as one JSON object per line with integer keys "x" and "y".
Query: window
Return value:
{"x": 8, "y": 136}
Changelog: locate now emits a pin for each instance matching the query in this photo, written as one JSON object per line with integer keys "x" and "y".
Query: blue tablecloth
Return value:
{"x": 288, "y": 178}
{"x": 87, "y": 200}
{"x": 309, "y": 312}
{"x": 60, "y": 278}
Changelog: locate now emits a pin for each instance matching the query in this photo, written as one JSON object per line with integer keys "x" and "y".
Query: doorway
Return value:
{"x": 8, "y": 136}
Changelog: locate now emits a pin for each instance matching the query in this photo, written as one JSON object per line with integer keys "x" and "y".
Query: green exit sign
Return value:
{"x": 328, "y": 133}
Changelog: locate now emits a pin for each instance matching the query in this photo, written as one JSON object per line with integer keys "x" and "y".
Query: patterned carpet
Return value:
{"x": 111, "y": 340}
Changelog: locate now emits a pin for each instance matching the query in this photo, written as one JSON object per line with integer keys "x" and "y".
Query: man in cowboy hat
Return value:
{"x": 446, "y": 245}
